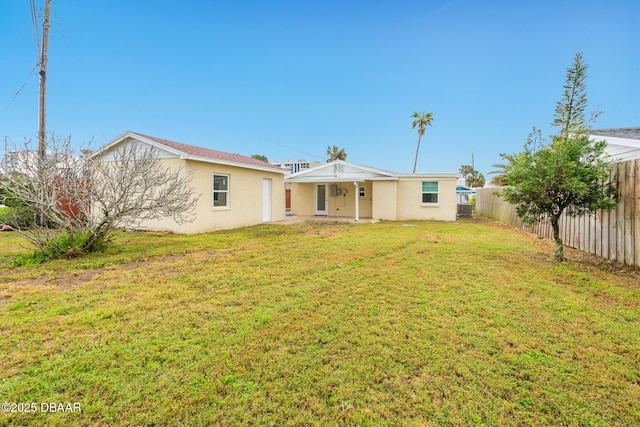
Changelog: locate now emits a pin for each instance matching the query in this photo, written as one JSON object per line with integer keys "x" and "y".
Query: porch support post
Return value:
{"x": 355, "y": 185}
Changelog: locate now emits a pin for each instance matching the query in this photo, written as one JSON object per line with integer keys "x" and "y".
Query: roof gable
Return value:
{"x": 340, "y": 171}
{"x": 174, "y": 149}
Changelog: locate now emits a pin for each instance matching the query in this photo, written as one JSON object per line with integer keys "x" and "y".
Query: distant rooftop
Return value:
{"x": 622, "y": 143}
{"x": 627, "y": 133}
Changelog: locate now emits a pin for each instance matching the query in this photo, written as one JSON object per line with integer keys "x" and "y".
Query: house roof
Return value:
{"x": 626, "y": 133}
{"x": 192, "y": 152}
{"x": 342, "y": 171}
{"x": 622, "y": 143}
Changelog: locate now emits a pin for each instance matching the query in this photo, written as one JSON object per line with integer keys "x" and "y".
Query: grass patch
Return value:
{"x": 310, "y": 324}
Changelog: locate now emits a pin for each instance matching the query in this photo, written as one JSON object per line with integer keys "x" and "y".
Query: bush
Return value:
{"x": 17, "y": 217}
{"x": 65, "y": 245}
{"x": 16, "y": 213}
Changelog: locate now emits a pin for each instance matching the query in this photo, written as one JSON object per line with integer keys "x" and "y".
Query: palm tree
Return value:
{"x": 500, "y": 173}
{"x": 421, "y": 120}
{"x": 335, "y": 153}
{"x": 475, "y": 180}
{"x": 472, "y": 178}
{"x": 466, "y": 170}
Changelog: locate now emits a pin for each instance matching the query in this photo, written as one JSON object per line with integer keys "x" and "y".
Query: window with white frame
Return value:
{"x": 429, "y": 192}
{"x": 362, "y": 192}
{"x": 220, "y": 191}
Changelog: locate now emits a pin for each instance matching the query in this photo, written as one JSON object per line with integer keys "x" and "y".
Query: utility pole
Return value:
{"x": 42, "y": 109}
{"x": 44, "y": 58}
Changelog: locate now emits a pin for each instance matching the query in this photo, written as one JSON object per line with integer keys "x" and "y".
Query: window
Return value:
{"x": 429, "y": 192}
{"x": 362, "y": 192}
{"x": 220, "y": 191}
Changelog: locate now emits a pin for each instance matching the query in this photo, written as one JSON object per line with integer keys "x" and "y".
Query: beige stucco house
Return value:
{"x": 236, "y": 191}
{"x": 344, "y": 189}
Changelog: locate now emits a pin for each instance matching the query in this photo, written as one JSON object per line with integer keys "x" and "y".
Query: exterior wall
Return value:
{"x": 345, "y": 203}
{"x": 384, "y": 195}
{"x": 409, "y": 201}
{"x": 391, "y": 200}
{"x": 165, "y": 224}
{"x": 303, "y": 198}
{"x": 245, "y": 198}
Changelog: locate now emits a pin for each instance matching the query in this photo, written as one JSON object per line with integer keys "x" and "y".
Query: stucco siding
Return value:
{"x": 245, "y": 198}
{"x": 343, "y": 204}
{"x": 165, "y": 224}
{"x": 384, "y": 195}
{"x": 409, "y": 200}
{"x": 302, "y": 198}
{"x": 387, "y": 195}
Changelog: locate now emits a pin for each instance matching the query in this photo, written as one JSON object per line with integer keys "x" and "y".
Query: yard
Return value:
{"x": 421, "y": 323}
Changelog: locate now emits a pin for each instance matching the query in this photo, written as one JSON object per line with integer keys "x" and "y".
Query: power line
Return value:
{"x": 299, "y": 151}
{"x": 34, "y": 21}
{"x": 22, "y": 87}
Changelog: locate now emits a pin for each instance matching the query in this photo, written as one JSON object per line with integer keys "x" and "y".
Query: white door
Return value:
{"x": 322, "y": 199}
{"x": 266, "y": 200}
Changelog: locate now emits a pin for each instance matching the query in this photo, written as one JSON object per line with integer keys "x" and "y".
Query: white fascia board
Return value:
{"x": 119, "y": 139}
{"x": 322, "y": 180}
{"x": 613, "y": 140}
{"x": 227, "y": 163}
{"x": 432, "y": 175}
{"x": 385, "y": 178}
{"x": 365, "y": 168}
{"x": 102, "y": 149}
{"x": 340, "y": 162}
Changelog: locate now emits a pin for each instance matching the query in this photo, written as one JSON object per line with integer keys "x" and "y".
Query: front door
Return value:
{"x": 322, "y": 199}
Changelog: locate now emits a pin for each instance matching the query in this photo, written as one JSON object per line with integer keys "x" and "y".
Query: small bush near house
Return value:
{"x": 17, "y": 216}
{"x": 15, "y": 213}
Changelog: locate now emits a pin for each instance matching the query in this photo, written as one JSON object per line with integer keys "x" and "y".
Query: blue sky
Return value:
{"x": 287, "y": 78}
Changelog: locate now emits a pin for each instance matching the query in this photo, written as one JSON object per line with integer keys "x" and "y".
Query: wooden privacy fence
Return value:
{"x": 611, "y": 234}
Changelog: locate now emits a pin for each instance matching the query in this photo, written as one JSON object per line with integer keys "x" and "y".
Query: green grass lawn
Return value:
{"x": 464, "y": 323}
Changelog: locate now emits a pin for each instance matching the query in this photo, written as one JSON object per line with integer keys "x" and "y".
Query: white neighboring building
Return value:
{"x": 294, "y": 167}
{"x": 622, "y": 143}
{"x": 464, "y": 193}
{"x": 18, "y": 161}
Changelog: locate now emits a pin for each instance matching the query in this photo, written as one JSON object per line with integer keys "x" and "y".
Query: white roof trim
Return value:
{"x": 619, "y": 149}
{"x": 614, "y": 140}
{"x": 309, "y": 175}
{"x": 340, "y": 162}
{"x": 432, "y": 175}
{"x": 185, "y": 156}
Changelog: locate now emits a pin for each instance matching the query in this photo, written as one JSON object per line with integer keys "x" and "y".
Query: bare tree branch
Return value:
{"x": 86, "y": 198}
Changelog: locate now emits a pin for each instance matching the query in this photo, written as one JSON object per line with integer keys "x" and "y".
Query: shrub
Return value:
{"x": 17, "y": 217}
